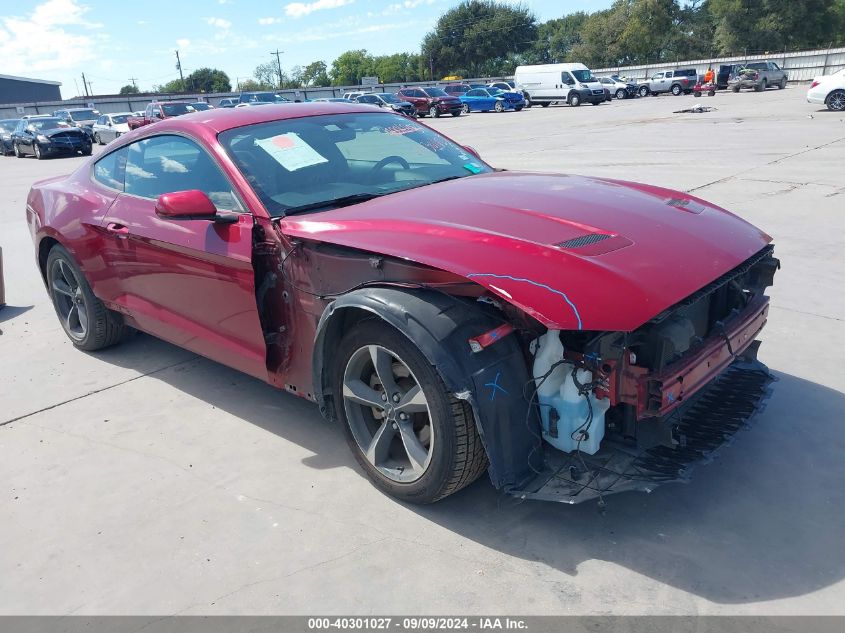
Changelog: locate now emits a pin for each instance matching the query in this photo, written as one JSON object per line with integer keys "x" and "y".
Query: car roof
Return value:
{"x": 222, "y": 119}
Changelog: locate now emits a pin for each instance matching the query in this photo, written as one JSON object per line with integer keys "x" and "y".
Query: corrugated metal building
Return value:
{"x": 25, "y": 90}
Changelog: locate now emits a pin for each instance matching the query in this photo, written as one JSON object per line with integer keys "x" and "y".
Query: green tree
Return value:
{"x": 556, "y": 38}
{"x": 397, "y": 68}
{"x": 251, "y": 85}
{"x": 478, "y": 34}
{"x": 175, "y": 85}
{"x": 315, "y": 74}
{"x": 129, "y": 89}
{"x": 267, "y": 75}
{"x": 208, "y": 80}
{"x": 350, "y": 66}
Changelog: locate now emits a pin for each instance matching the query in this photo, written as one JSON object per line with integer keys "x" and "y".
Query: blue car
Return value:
{"x": 486, "y": 99}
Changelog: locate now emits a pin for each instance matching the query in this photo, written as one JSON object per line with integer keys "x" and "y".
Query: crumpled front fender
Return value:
{"x": 491, "y": 381}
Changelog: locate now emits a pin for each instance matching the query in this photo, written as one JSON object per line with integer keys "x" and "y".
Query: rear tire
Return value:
{"x": 97, "y": 139}
{"x": 454, "y": 456}
{"x": 86, "y": 321}
{"x": 465, "y": 108}
{"x": 696, "y": 94}
{"x": 735, "y": 88}
{"x": 782, "y": 84}
{"x": 545, "y": 104}
{"x": 761, "y": 87}
{"x": 621, "y": 94}
{"x": 16, "y": 150}
{"x": 499, "y": 107}
{"x": 643, "y": 91}
{"x": 39, "y": 155}
{"x": 835, "y": 101}
{"x": 677, "y": 90}
{"x": 457, "y": 112}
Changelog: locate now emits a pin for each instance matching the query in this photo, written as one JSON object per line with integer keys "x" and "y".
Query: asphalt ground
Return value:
{"x": 145, "y": 480}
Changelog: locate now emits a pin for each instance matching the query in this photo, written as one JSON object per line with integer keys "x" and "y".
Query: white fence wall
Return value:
{"x": 799, "y": 66}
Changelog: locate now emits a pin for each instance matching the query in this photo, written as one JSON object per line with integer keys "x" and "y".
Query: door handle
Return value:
{"x": 118, "y": 230}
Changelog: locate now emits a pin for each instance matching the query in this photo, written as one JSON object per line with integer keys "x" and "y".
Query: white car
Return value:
{"x": 109, "y": 126}
{"x": 829, "y": 90}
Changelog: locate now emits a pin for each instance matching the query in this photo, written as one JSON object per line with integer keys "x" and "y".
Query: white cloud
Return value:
{"x": 183, "y": 42}
{"x": 224, "y": 1}
{"x": 323, "y": 33}
{"x": 220, "y": 23}
{"x": 300, "y": 9}
{"x": 54, "y": 36}
{"x": 266, "y": 21}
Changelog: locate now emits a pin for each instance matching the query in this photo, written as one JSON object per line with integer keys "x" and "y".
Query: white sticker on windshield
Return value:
{"x": 290, "y": 151}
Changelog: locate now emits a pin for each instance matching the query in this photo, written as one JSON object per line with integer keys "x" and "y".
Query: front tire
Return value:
{"x": 433, "y": 112}
{"x": 621, "y": 94}
{"x": 414, "y": 440}
{"x": 575, "y": 100}
{"x": 835, "y": 101}
{"x": 98, "y": 139}
{"x": 38, "y": 153}
{"x": 86, "y": 321}
{"x": 16, "y": 150}
{"x": 465, "y": 108}
{"x": 782, "y": 84}
{"x": 499, "y": 107}
{"x": 643, "y": 92}
{"x": 761, "y": 87}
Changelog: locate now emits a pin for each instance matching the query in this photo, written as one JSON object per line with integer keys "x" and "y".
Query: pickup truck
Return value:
{"x": 678, "y": 82}
{"x": 758, "y": 75}
{"x": 158, "y": 111}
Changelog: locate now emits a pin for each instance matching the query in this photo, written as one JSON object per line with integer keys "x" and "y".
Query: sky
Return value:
{"x": 112, "y": 41}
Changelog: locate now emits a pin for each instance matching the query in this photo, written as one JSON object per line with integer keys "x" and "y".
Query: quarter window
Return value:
{"x": 164, "y": 164}
{"x": 110, "y": 169}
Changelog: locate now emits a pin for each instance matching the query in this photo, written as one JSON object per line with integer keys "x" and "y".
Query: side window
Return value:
{"x": 474, "y": 93}
{"x": 775, "y": 66}
{"x": 148, "y": 112}
{"x": 658, "y": 76}
{"x": 669, "y": 75}
{"x": 110, "y": 169}
{"x": 163, "y": 164}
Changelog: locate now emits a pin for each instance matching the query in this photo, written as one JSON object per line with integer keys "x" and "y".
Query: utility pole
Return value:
{"x": 179, "y": 68}
{"x": 84, "y": 84}
{"x": 277, "y": 52}
{"x": 133, "y": 79}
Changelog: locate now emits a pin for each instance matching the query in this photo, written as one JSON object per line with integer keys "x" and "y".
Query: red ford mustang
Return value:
{"x": 571, "y": 336}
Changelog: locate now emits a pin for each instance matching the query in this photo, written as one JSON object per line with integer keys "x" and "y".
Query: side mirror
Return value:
{"x": 186, "y": 205}
{"x": 472, "y": 151}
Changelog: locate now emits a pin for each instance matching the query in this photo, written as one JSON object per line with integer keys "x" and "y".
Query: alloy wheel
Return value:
{"x": 465, "y": 108}
{"x": 68, "y": 299}
{"x": 836, "y": 101}
{"x": 388, "y": 414}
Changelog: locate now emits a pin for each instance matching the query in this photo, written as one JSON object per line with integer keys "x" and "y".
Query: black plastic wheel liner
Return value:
{"x": 701, "y": 426}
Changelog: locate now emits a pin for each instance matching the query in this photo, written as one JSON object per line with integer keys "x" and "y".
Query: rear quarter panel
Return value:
{"x": 70, "y": 210}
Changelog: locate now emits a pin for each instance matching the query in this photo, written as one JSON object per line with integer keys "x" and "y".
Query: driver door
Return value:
{"x": 190, "y": 282}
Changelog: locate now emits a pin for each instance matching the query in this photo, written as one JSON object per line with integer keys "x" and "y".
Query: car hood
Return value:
{"x": 573, "y": 252}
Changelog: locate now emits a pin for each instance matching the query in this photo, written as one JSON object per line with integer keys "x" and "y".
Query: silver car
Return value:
{"x": 109, "y": 126}
{"x": 618, "y": 88}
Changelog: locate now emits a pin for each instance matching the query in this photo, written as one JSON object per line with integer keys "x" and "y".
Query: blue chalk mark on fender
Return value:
{"x": 534, "y": 283}
{"x": 495, "y": 386}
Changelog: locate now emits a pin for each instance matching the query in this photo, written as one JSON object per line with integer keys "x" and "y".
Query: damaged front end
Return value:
{"x": 632, "y": 410}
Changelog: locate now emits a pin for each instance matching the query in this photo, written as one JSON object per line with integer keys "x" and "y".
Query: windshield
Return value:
{"x": 315, "y": 162}
{"x": 84, "y": 115}
{"x": 47, "y": 124}
{"x": 175, "y": 109}
{"x": 435, "y": 92}
{"x": 9, "y": 124}
{"x": 390, "y": 98}
{"x": 583, "y": 75}
{"x": 120, "y": 118}
{"x": 757, "y": 66}
{"x": 494, "y": 92}
{"x": 202, "y": 107}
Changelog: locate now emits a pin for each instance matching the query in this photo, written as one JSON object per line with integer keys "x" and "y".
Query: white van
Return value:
{"x": 545, "y": 84}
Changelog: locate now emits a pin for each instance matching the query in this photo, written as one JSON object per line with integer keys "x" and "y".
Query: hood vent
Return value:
{"x": 584, "y": 240}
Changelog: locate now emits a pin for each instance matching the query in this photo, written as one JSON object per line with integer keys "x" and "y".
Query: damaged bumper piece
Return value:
{"x": 699, "y": 427}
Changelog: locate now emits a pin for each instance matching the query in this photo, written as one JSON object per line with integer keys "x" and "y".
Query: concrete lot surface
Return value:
{"x": 145, "y": 480}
